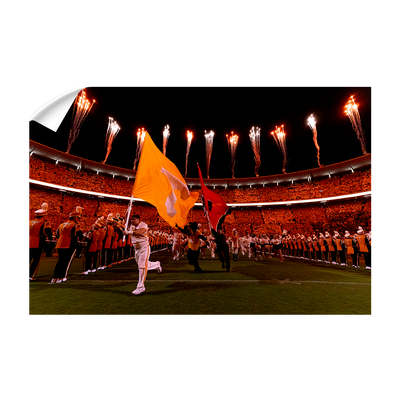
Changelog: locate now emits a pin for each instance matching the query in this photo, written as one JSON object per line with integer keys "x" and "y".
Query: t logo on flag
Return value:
{"x": 176, "y": 185}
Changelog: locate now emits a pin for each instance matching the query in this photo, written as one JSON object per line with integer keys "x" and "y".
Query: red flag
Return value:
{"x": 215, "y": 207}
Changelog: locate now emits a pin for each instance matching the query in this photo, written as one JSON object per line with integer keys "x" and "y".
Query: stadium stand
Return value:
{"x": 306, "y": 218}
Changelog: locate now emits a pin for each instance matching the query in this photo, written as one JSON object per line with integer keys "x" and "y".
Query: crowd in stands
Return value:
{"x": 338, "y": 215}
{"x": 62, "y": 175}
{"x": 356, "y": 182}
{"x": 359, "y": 181}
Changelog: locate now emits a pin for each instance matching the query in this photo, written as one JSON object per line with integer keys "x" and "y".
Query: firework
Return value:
{"x": 280, "y": 139}
{"x": 189, "y": 135}
{"x": 232, "y": 144}
{"x": 141, "y": 133}
{"x": 112, "y": 131}
{"x": 82, "y": 107}
{"x": 165, "y": 139}
{"x": 351, "y": 111}
{"x": 313, "y": 127}
{"x": 209, "y": 145}
{"x": 255, "y": 144}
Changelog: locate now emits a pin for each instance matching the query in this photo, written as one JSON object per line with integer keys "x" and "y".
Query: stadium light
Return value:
{"x": 271, "y": 203}
{"x": 298, "y": 202}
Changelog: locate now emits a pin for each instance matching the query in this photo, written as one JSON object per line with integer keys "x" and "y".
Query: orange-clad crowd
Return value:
{"x": 350, "y": 183}
{"x": 258, "y": 228}
{"x": 338, "y": 215}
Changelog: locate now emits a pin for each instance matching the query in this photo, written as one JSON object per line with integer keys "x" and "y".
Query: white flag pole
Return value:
{"x": 128, "y": 214}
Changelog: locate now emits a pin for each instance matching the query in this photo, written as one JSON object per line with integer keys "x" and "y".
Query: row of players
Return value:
{"x": 322, "y": 248}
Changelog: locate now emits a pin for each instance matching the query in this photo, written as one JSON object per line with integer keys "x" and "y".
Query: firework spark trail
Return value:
{"x": 209, "y": 145}
{"x": 351, "y": 111}
{"x": 255, "y": 144}
{"x": 141, "y": 133}
{"x": 280, "y": 139}
{"x": 165, "y": 139}
{"x": 313, "y": 127}
{"x": 112, "y": 132}
{"x": 189, "y": 135}
{"x": 232, "y": 144}
{"x": 82, "y": 107}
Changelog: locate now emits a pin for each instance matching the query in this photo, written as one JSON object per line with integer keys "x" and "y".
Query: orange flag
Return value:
{"x": 159, "y": 182}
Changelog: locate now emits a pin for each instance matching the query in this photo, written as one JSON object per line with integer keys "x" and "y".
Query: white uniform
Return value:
{"x": 142, "y": 253}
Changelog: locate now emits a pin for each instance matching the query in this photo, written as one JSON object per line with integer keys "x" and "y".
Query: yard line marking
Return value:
{"x": 340, "y": 283}
{"x": 217, "y": 280}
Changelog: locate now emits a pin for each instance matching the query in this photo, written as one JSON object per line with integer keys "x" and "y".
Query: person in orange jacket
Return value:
{"x": 339, "y": 241}
{"x": 68, "y": 234}
{"x": 322, "y": 246}
{"x": 107, "y": 241}
{"x": 351, "y": 247}
{"x": 92, "y": 238}
{"x": 318, "y": 256}
{"x": 331, "y": 247}
{"x": 193, "y": 233}
{"x": 39, "y": 229}
{"x": 363, "y": 244}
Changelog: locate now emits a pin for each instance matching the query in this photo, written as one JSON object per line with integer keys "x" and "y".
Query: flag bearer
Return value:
{"x": 194, "y": 236}
{"x": 222, "y": 247}
{"x": 140, "y": 239}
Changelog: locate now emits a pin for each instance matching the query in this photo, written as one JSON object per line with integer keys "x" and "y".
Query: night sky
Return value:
{"x": 222, "y": 110}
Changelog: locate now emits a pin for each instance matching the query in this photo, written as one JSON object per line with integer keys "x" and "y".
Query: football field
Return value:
{"x": 252, "y": 287}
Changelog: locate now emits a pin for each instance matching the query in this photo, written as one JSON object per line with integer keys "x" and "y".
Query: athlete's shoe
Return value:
{"x": 367, "y": 267}
{"x": 159, "y": 269}
{"x": 139, "y": 291}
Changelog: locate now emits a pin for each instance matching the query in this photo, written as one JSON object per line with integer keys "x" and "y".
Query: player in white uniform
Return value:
{"x": 139, "y": 233}
{"x": 176, "y": 246}
{"x": 213, "y": 246}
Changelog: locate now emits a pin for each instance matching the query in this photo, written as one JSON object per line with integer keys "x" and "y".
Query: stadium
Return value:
{"x": 292, "y": 206}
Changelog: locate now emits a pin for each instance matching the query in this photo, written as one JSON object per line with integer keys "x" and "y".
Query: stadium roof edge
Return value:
{"x": 57, "y": 156}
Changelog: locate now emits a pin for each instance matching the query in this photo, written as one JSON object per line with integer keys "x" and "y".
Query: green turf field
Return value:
{"x": 252, "y": 287}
